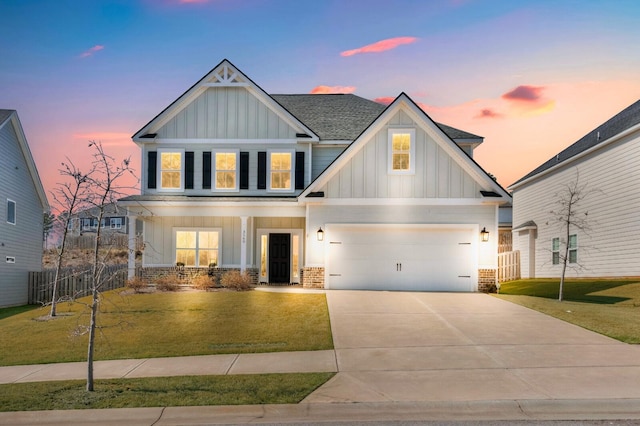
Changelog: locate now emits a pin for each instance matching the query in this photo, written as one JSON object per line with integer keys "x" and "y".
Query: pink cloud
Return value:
{"x": 90, "y": 52}
{"x": 489, "y": 113}
{"x": 384, "y": 100}
{"x": 323, "y": 90}
{"x": 380, "y": 46}
{"x": 525, "y": 93}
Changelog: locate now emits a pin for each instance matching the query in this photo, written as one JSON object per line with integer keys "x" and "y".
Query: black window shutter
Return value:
{"x": 299, "y": 170}
{"x": 244, "y": 170}
{"x": 262, "y": 170}
{"x": 206, "y": 170}
{"x": 152, "y": 164}
{"x": 188, "y": 169}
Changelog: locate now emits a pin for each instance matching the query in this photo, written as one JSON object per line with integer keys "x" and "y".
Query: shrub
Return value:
{"x": 167, "y": 283}
{"x": 203, "y": 282}
{"x": 234, "y": 280}
{"x": 137, "y": 284}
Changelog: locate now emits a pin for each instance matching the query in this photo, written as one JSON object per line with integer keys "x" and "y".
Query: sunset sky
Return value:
{"x": 531, "y": 77}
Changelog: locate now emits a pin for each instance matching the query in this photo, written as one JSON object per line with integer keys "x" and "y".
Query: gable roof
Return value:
{"x": 446, "y": 141}
{"x": 344, "y": 116}
{"x": 624, "y": 120}
{"x": 11, "y": 116}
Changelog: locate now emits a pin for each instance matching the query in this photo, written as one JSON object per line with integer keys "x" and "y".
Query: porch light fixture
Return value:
{"x": 320, "y": 234}
{"x": 484, "y": 235}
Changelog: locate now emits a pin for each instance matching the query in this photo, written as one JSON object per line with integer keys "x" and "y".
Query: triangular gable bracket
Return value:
{"x": 225, "y": 76}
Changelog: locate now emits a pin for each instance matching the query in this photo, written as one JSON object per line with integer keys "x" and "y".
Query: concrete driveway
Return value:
{"x": 402, "y": 346}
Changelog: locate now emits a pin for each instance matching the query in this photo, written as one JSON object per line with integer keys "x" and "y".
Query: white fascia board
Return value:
{"x": 398, "y": 202}
{"x": 576, "y": 157}
{"x": 228, "y": 142}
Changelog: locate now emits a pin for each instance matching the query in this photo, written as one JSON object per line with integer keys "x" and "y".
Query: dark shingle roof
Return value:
{"x": 343, "y": 116}
{"x": 622, "y": 121}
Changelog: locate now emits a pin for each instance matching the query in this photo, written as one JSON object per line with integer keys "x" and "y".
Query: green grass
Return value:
{"x": 610, "y": 307}
{"x": 170, "y": 324}
{"x": 162, "y": 392}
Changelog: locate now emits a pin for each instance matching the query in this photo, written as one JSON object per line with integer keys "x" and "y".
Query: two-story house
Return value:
{"x": 22, "y": 204}
{"x": 331, "y": 191}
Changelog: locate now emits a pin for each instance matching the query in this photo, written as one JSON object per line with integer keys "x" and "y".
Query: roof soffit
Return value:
{"x": 225, "y": 74}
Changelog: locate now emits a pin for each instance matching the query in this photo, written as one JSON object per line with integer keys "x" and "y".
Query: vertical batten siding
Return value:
{"x": 322, "y": 157}
{"x": 24, "y": 239}
{"x": 612, "y": 246}
{"x": 437, "y": 175}
{"x": 226, "y": 113}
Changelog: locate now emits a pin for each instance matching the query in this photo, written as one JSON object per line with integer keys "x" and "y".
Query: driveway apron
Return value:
{"x": 404, "y": 346}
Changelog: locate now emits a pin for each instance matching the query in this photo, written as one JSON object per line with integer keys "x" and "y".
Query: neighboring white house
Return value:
{"x": 332, "y": 191}
{"x": 607, "y": 162}
{"x": 22, "y": 205}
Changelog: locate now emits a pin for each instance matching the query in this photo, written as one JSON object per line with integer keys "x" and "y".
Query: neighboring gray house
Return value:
{"x": 22, "y": 205}
{"x": 607, "y": 161}
{"x": 332, "y": 191}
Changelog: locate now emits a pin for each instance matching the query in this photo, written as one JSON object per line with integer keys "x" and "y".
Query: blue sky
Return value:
{"x": 530, "y": 76}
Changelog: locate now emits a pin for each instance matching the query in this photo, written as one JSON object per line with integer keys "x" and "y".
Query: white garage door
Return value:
{"x": 384, "y": 257}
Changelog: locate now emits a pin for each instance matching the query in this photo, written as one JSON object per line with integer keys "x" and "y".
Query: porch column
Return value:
{"x": 243, "y": 243}
{"x": 131, "y": 263}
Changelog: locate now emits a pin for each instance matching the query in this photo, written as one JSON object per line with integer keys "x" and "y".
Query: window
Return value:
{"x": 402, "y": 151}
{"x": 197, "y": 247}
{"x": 555, "y": 251}
{"x": 573, "y": 248}
{"x": 171, "y": 168}
{"x": 11, "y": 212}
{"x": 116, "y": 223}
{"x": 226, "y": 170}
{"x": 86, "y": 224}
{"x": 280, "y": 171}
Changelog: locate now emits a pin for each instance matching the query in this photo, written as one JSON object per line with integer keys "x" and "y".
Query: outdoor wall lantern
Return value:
{"x": 320, "y": 234}
{"x": 484, "y": 235}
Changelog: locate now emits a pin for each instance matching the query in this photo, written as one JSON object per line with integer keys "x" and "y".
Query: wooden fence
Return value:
{"x": 74, "y": 283}
{"x": 508, "y": 266}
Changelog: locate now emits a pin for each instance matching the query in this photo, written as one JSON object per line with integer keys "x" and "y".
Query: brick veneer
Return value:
{"x": 313, "y": 277}
{"x": 487, "y": 279}
{"x": 186, "y": 273}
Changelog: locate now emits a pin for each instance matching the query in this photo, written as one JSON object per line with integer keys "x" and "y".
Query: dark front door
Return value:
{"x": 279, "y": 255}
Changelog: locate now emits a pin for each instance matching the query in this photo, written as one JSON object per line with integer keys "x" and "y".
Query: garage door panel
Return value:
{"x": 409, "y": 258}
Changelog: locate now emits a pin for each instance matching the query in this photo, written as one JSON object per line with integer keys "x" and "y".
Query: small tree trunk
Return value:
{"x": 92, "y": 336}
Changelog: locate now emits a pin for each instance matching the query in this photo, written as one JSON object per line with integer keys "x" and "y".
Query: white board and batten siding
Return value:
{"x": 437, "y": 175}
{"x": 21, "y": 242}
{"x": 612, "y": 246}
{"x": 323, "y": 156}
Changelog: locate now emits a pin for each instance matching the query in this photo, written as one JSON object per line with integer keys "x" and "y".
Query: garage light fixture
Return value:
{"x": 320, "y": 234}
{"x": 484, "y": 235}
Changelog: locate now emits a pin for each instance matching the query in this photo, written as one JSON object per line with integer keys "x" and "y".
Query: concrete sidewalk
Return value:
{"x": 402, "y": 356}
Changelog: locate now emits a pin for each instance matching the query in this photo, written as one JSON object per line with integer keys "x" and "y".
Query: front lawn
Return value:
{"x": 162, "y": 392}
{"x": 170, "y": 324}
{"x": 610, "y": 307}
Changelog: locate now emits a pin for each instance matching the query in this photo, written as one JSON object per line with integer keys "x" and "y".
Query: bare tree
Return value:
{"x": 106, "y": 189}
{"x": 69, "y": 198}
{"x": 569, "y": 215}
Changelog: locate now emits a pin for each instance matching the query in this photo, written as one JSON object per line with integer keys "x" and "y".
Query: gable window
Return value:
{"x": 197, "y": 247}
{"x": 171, "y": 170}
{"x": 115, "y": 223}
{"x": 573, "y": 248}
{"x": 11, "y": 212}
{"x": 226, "y": 170}
{"x": 280, "y": 171}
{"x": 555, "y": 251}
{"x": 402, "y": 149}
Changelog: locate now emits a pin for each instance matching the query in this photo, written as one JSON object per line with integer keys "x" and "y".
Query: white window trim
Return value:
{"x": 572, "y": 249}
{"x": 412, "y": 151}
{"x": 15, "y": 211}
{"x": 214, "y": 170}
{"x": 159, "y": 187}
{"x": 113, "y": 223}
{"x": 197, "y": 230}
{"x": 293, "y": 170}
{"x": 554, "y": 251}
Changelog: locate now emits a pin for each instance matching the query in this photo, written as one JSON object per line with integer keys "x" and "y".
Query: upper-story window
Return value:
{"x": 11, "y": 212}
{"x": 225, "y": 165}
{"x": 280, "y": 171}
{"x": 171, "y": 170}
{"x": 402, "y": 150}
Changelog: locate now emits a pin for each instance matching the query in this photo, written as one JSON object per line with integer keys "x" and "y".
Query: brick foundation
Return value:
{"x": 185, "y": 274}
{"x": 313, "y": 277}
{"x": 487, "y": 279}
